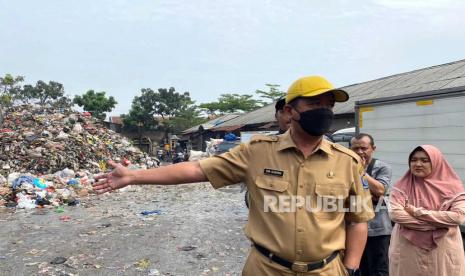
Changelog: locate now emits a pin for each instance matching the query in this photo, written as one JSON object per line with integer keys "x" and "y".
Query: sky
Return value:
{"x": 209, "y": 48}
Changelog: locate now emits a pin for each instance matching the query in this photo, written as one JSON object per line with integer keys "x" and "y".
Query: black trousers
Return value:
{"x": 375, "y": 260}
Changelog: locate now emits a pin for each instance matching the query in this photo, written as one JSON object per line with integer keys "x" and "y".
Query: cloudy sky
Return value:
{"x": 222, "y": 46}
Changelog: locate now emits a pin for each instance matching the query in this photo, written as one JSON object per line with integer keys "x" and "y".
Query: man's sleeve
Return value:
{"x": 228, "y": 168}
{"x": 360, "y": 206}
{"x": 384, "y": 175}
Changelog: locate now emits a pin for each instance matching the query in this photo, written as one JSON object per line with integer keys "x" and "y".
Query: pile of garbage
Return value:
{"x": 48, "y": 156}
{"x": 23, "y": 190}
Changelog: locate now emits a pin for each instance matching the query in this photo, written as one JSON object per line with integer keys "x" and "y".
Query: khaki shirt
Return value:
{"x": 275, "y": 170}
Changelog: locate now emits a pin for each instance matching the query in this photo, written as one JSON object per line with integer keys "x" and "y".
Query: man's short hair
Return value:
{"x": 280, "y": 104}
{"x": 294, "y": 102}
{"x": 361, "y": 135}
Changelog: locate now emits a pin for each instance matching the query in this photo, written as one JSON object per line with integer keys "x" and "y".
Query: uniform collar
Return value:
{"x": 285, "y": 142}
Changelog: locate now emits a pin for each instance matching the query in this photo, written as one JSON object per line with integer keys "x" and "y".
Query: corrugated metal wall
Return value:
{"x": 399, "y": 128}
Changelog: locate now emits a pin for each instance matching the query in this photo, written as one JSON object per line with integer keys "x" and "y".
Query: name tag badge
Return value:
{"x": 273, "y": 172}
{"x": 365, "y": 183}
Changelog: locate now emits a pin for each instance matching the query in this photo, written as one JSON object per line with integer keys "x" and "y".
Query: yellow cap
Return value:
{"x": 313, "y": 86}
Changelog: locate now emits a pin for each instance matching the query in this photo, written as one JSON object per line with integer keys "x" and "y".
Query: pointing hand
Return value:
{"x": 119, "y": 178}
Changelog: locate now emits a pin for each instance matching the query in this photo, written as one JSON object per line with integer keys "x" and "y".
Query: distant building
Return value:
{"x": 115, "y": 123}
{"x": 197, "y": 135}
{"x": 442, "y": 76}
{"x": 437, "y": 77}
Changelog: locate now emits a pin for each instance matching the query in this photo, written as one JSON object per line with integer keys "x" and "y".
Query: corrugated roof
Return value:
{"x": 212, "y": 123}
{"x": 259, "y": 116}
{"x": 427, "y": 79}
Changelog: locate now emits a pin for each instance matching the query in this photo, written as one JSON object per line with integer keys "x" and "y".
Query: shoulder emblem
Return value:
{"x": 263, "y": 138}
{"x": 347, "y": 151}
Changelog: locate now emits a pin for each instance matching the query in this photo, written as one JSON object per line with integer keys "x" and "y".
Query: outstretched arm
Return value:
{"x": 180, "y": 173}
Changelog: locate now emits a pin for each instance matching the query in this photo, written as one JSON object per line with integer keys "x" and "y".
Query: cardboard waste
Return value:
{"x": 48, "y": 156}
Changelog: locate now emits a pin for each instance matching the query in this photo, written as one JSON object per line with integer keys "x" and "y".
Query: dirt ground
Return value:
{"x": 198, "y": 231}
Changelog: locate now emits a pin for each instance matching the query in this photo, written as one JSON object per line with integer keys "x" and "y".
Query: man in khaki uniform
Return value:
{"x": 288, "y": 176}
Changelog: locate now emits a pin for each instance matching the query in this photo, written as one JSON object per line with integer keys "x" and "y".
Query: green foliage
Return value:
{"x": 167, "y": 102}
{"x": 177, "y": 110}
{"x": 184, "y": 120}
{"x": 96, "y": 103}
{"x": 42, "y": 91}
{"x": 211, "y": 108}
{"x": 27, "y": 93}
{"x": 49, "y": 91}
{"x": 9, "y": 84}
{"x": 140, "y": 112}
{"x": 5, "y": 100}
{"x": 229, "y": 103}
{"x": 9, "y": 88}
{"x": 272, "y": 95}
{"x": 11, "y": 91}
{"x": 63, "y": 102}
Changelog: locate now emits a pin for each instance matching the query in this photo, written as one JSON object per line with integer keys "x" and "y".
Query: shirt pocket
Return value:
{"x": 329, "y": 201}
{"x": 271, "y": 184}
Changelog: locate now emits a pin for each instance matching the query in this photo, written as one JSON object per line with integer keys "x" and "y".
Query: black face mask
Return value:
{"x": 316, "y": 122}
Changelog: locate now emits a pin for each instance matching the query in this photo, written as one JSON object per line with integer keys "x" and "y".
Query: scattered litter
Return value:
{"x": 153, "y": 212}
{"x": 65, "y": 218}
{"x": 33, "y": 252}
{"x": 143, "y": 264}
{"x": 188, "y": 248}
{"x": 154, "y": 272}
{"x": 58, "y": 260}
{"x": 200, "y": 256}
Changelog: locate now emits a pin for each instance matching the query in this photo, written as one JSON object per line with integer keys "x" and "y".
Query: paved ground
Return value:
{"x": 199, "y": 232}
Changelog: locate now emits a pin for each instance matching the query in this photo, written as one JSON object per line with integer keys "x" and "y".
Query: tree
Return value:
{"x": 165, "y": 102}
{"x": 9, "y": 88}
{"x": 5, "y": 100}
{"x": 177, "y": 110}
{"x": 48, "y": 91}
{"x": 185, "y": 119}
{"x": 42, "y": 91}
{"x": 51, "y": 92}
{"x": 96, "y": 103}
{"x": 28, "y": 92}
{"x": 272, "y": 95}
{"x": 140, "y": 112}
{"x": 210, "y": 108}
{"x": 229, "y": 103}
{"x": 63, "y": 102}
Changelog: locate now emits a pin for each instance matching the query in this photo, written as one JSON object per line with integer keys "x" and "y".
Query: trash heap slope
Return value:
{"x": 42, "y": 142}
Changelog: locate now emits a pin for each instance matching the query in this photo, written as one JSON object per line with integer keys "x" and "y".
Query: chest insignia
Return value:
{"x": 273, "y": 172}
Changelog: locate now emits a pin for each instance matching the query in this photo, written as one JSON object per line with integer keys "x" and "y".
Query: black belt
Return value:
{"x": 295, "y": 266}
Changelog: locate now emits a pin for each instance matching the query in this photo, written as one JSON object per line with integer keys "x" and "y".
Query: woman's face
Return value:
{"x": 420, "y": 164}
